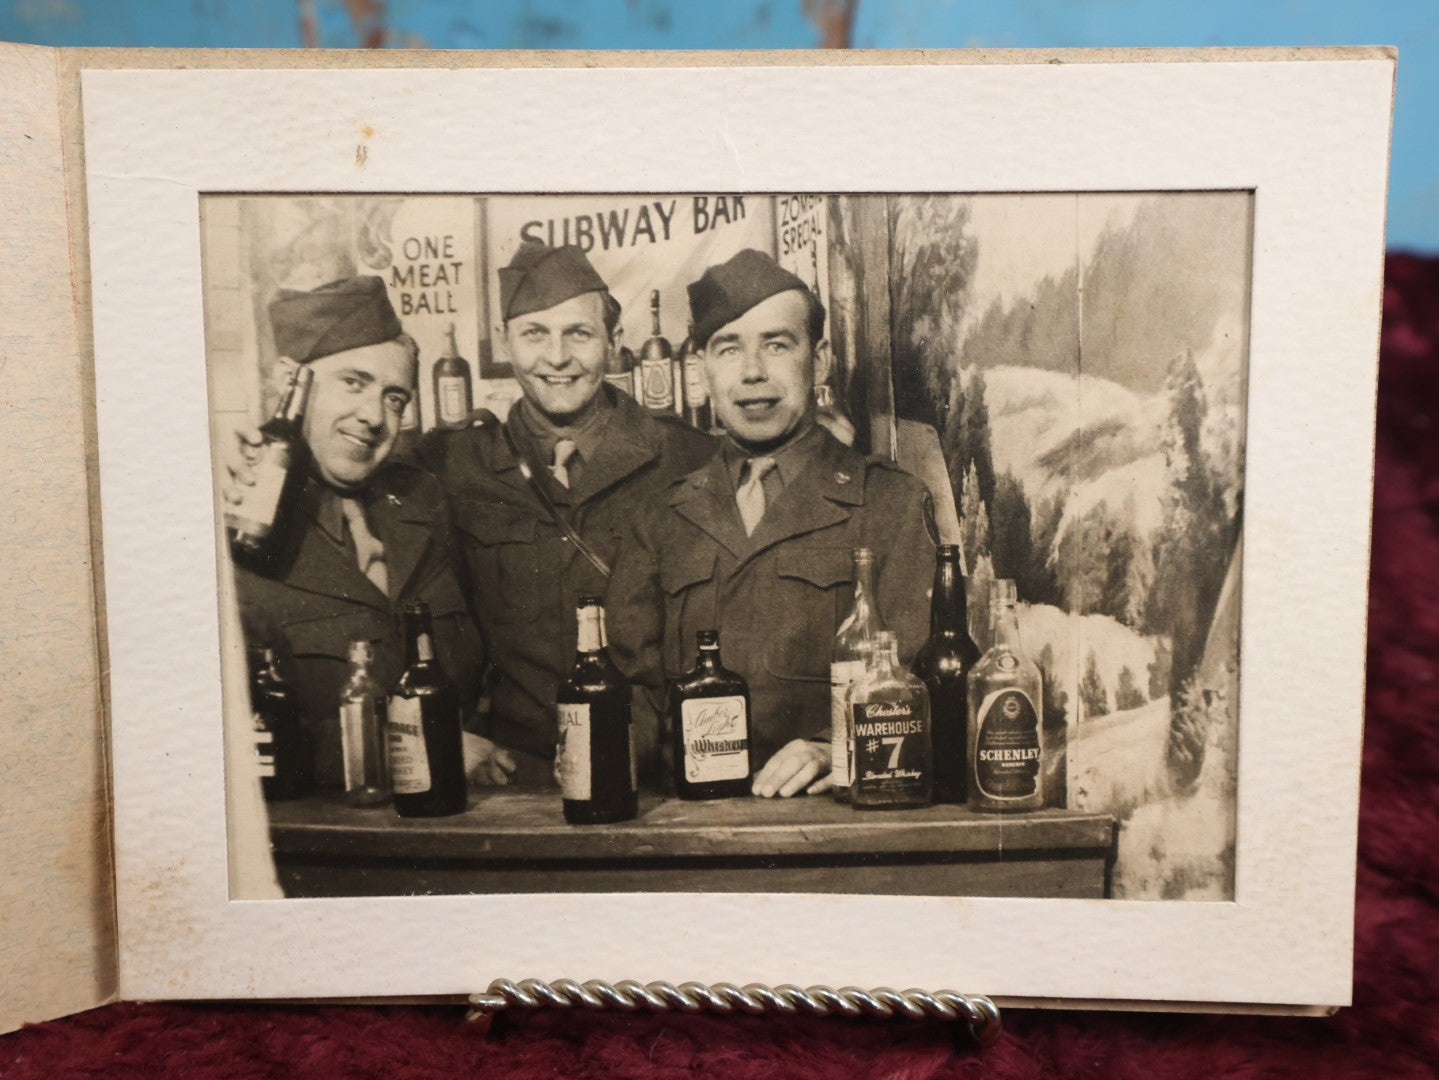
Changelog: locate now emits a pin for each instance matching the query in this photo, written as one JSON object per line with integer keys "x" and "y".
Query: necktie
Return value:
{"x": 369, "y": 552}
{"x": 750, "y": 494}
{"x": 565, "y": 450}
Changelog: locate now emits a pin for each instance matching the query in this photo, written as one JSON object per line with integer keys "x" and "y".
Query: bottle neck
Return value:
{"x": 655, "y": 314}
{"x": 864, "y": 591}
{"x": 452, "y": 348}
{"x": 591, "y": 630}
{"x": 1005, "y": 626}
{"x": 419, "y": 640}
{"x": 297, "y": 393}
{"x": 709, "y": 658}
{"x": 948, "y": 607}
{"x": 884, "y": 661}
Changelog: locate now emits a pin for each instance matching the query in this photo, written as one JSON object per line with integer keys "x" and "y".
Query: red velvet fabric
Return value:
{"x": 1390, "y": 1031}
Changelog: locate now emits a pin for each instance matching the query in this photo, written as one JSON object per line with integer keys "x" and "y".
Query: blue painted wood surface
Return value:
{"x": 1413, "y": 25}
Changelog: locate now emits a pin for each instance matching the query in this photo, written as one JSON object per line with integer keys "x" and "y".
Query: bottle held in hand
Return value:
{"x": 423, "y": 743}
{"x": 892, "y": 757}
{"x": 362, "y": 731}
{"x": 847, "y": 665}
{"x": 709, "y": 714}
{"x": 258, "y": 525}
{"x": 282, "y": 742}
{"x": 594, "y": 757}
{"x": 943, "y": 664}
{"x": 1005, "y": 743}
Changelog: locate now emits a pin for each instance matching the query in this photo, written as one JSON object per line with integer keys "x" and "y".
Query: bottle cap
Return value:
{"x": 588, "y": 601}
{"x": 360, "y": 652}
{"x": 948, "y": 551}
{"x": 707, "y": 639}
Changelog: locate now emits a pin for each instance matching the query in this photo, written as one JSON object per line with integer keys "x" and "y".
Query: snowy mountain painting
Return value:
{"x": 1083, "y": 359}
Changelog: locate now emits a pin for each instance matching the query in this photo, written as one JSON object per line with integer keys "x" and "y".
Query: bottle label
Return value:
{"x": 659, "y": 391}
{"x": 1006, "y": 756}
{"x": 889, "y": 747}
{"x": 405, "y": 747}
{"x": 264, "y": 748}
{"x": 454, "y": 395}
{"x": 715, "y": 734}
{"x": 263, "y": 500}
{"x": 695, "y": 392}
{"x": 572, "y": 752}
{"x": 842, "y": 675}
{"x": 352, "y": 743}
{"x": 625, "y": 380}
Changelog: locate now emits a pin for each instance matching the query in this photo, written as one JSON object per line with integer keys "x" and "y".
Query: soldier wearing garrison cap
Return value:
{"x": 373, "y": 532}
{"x": 756, "y": 543}
{"x": 574, "y": 455}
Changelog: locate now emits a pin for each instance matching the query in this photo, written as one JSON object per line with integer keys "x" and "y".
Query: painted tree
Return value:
{"x": 1092, "y": 694}
{"x": 1127, "y": 694}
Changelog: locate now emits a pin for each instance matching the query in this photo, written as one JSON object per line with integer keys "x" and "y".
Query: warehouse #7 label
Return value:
{"x": 1007, "y": 751}
{"x": 890, "y": 747}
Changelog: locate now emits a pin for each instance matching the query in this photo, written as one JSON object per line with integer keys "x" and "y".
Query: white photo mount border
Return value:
{"x": 1308, "y": 133}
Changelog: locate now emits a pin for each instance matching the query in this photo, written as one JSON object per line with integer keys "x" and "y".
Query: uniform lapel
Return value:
{"x": 324, "y": 565}
{"x": 624, "y": 451}
{"x": 706, "y": 500}
{"x": 819, "y": 498}
{"x": 406, "y": 531}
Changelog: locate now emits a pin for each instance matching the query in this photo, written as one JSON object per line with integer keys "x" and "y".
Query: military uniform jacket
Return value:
{"x": 525, "y": 573}
{"x": 776, "y": 597}
{"x": 316, "y": 601}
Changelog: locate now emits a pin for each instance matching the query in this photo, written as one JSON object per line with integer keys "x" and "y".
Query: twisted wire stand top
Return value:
{"x": 979, "y": 1015}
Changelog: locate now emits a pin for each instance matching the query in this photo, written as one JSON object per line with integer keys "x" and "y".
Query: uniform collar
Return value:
{"x": 790, "y": 460}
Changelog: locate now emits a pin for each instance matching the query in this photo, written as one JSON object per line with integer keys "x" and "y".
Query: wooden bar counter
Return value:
{"x": 515, "y": 841}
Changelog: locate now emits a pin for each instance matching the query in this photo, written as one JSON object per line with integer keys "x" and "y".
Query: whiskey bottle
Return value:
{"x": 620, "y": 367}
{"x": 657, "y": 363}
{"x": 698, "y": 410}
{"x": 709, "y": 713}
{"x": 943, "y": 664}
{"x": 453, "y": 386}
{"x": 594, "y": 755}
{"x": 282, "y": 742}
{"x": 259, "y": 524}
{"x": 847, "y": 664}
{"x": 362, "y": 723}
{"x": 1005, "y": 745}
{"x": 892, "y": 755}
{"x": 423, "y": 743}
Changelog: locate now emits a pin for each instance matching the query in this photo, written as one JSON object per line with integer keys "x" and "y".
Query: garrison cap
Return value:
{"x": 540, "y": 276}
{"x": 346, "y": 314}
{"x": 728, "y": 290}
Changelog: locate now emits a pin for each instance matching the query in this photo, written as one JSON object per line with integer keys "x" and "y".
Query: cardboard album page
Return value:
{"x": 57, "y": 946}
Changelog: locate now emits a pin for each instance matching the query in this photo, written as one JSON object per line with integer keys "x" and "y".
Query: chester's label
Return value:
{"x": 842, "y": 674}
{"x": 405, "y": 747}
{"x": 890, "y": 749}
{"x": 454, "y": 403}
{"x": 715, "y": 733}
{"x": 572, "y": 752}
{"x": 1006, "y": 759}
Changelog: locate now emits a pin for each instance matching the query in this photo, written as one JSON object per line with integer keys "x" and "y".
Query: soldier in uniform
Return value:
{"x": 756, "y": 544}
{"x": 542, "y": 499}
{"x": 374, "y": 532}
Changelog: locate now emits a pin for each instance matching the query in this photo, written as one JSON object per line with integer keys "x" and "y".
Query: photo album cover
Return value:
{"x": 870, "y": 518}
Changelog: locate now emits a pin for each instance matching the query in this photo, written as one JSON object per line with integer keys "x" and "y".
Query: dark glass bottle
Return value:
{"x": 943, "y": 665}
{"x": 709, "y": 714}
{"x": 620, "y": 367}
{"x": 657, "y": 365}
{"x": 259, "y": 524}
{"x": 453, "y": 385}
{"x": 594, "y": 755}
{"x": 893, "y": 762}
{"x": 287, "y": 765}
{"x": 698, "y": 410}
{"x": 423, "y": 743}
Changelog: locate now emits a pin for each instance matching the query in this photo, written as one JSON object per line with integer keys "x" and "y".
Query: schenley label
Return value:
{"x": 1028, "y": 754}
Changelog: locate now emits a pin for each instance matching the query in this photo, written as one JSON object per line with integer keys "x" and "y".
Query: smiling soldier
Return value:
{"x": 372, "y": 532}
{"x": 542, "y": 499}
{"x": 756, "y": 544}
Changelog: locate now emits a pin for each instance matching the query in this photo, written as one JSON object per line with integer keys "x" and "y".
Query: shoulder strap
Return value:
{"x": 528, "y": 470}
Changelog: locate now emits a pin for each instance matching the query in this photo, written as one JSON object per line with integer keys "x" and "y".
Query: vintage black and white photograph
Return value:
{"x": 725, "y": 542}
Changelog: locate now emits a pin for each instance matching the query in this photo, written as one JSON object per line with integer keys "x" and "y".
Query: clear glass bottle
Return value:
{"x": 893, "y": 761}
{"x": 847, "y": 664}
{"x": 1005, "y": 742}
{"x": 362, "y": 731}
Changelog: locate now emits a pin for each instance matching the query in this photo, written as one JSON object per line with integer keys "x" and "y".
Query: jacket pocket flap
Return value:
{"x": 686, "y": 568}
{"x": 491, "y": 524}
{"x": 820, "y": 566}
{"x": 331, "y": 635}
